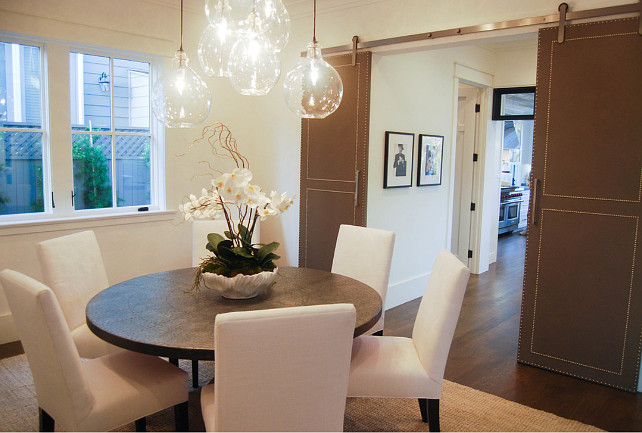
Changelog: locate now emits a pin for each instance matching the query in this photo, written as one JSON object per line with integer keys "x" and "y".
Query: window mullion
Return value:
{"x": 112, "y": 87}
{"x": 60, "y": 153}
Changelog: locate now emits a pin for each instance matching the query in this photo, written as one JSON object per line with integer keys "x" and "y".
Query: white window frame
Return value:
{"x": 43, "y": 130}
{"x": 57, "y": 161}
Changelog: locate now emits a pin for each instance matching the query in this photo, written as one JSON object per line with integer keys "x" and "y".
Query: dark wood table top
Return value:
{"x": 153, "y": 314}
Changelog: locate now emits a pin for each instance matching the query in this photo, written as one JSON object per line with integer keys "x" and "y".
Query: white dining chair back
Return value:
{"x": 438, "y": 313}
{"x": 414, "y": 367}
{"x": 96, "y": 395}
{"x": 200, "y": 230}
{"x": 72, "y": 266}
{"x": 57, "y": 373}
{"x": 365, "y": 254}
{"x": 284, "y": 369}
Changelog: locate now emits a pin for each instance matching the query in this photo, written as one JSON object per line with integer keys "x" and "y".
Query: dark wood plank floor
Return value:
{"x": 484, "y": 351}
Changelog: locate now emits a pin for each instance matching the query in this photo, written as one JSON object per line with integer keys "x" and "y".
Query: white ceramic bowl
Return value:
{"x": 240, "y": 286}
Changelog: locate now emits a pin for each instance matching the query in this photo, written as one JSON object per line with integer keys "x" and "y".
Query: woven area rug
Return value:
{"x": 461, "y": 409}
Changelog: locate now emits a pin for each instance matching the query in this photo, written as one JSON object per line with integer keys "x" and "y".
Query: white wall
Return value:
{"x": 266, "y": 131}
{"x": 414, "y": 92}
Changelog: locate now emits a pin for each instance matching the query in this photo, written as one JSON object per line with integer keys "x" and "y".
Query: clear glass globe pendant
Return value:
{"x": 180, "y": 98}
{"x": 276, "y": 22}
{"x": 254, "y": 66}
{"x": 217, "y": 40}
{"x": 313, "y": 89}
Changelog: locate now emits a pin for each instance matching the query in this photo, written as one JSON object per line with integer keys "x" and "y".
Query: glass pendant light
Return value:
{"x": 276, "y": 22}
{"x": 217, "y": 39}
{"x": 313, "y": 89}
{"x": 254, "y": 65}
{"x": 180, "y": 98}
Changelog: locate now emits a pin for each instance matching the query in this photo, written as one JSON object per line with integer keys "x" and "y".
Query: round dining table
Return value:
{"x": 157, "y": 314}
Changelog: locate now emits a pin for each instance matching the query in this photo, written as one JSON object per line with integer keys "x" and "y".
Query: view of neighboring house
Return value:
{"x": 98, "y": 132}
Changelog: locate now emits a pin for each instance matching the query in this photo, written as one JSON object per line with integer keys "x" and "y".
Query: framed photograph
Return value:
{"x": 431, "y": 149}
{"x": 397, "y": 169}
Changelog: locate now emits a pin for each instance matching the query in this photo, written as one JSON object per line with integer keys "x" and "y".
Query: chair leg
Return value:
{"x": 181, "y": 417}
{"x": 45, "y": 421}
{"x": 194, "y": 373}
{"x": 141, "y": 424}
{"x": 430, "y": 413}
{"x": 433, "y": 414}
{"x": 423, "y": 409}
{"x": 378, "y": 333}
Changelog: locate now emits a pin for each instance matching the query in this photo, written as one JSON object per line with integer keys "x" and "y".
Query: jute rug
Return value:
{"x": 461, "y": 409}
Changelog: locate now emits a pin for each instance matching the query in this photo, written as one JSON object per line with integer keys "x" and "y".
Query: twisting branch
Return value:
{"x": 222, "y": 144}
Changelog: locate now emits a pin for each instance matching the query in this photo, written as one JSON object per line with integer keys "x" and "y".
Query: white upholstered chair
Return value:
{"x": 99, "y": 394}
{"x": 414, "y": 367}
{"x": 72, "y": 266}
{"x": 284, "y": 369}
{"x": 365, "y": 254}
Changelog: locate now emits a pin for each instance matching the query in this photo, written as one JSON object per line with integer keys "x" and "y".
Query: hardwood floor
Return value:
{"x": 484, "y": 351}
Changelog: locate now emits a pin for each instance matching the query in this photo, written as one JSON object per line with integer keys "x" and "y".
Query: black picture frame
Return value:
{"x": 498, "y": 105}
{"x": 399, "y": 152}
{"x": 430, "y": 156}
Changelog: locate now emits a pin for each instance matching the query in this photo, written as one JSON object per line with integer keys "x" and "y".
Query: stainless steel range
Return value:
{"x": 510, "y": 202}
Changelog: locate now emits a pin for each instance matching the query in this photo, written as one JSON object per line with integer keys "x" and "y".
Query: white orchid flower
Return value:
{"x": 234, "y": 188}
{"x": 265, "y": 212}
{"x": 254, "y": 197}
{"x": 238, "y": 178}
{"x": 280, "y": 203}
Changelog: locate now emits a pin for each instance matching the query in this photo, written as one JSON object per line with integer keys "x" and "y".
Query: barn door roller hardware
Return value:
{"x": 355, "y": 43}
{"x": 563, "y": 8}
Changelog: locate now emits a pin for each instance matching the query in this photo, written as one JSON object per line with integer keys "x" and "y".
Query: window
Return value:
{"x": 111, "y": 133}
{"x": 113, "y": 161}
{"x": 21, "y": 129}
{"x": 514, "y": 103}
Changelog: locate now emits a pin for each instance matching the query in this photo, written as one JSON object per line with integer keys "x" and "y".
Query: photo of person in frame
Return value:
{"x": 430, "y": 167}
{"x": 400, "y": 162}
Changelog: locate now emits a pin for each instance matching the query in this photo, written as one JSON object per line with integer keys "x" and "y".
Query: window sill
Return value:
{"x": 83, "y": 222}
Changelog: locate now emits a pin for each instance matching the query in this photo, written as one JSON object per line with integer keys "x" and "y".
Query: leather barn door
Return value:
{"x": 582, "y": 298}
{"x": 334, "y": 163}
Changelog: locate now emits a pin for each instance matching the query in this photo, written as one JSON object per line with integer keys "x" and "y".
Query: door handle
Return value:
{"x": 356, "y": 188}
{"x": 534, "y": 207}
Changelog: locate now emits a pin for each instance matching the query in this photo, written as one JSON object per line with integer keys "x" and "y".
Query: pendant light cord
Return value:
{"x": 314, "y": 23}
{"x": 181, "y": 48}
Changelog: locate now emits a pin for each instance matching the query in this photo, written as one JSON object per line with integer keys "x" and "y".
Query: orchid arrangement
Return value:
{"x": 234, "y": 194}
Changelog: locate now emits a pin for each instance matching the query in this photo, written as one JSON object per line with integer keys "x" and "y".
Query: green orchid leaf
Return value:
{"x": 265, "y": 250}
{"x": 247, "y": 245}
{"x": 242, "y": 252}
{"x": 269, "y": 258}
{"x": 214, "y": 239}
{"x": 224, "y": 251}
{"x": 269, "y": 267}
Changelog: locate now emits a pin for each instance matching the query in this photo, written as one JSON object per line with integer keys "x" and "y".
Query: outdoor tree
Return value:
{"x": 92, "y": 169}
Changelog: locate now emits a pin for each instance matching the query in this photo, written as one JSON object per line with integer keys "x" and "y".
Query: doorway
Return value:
{"x": 467, "y": 99}
{"x": 473, "y": 180}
